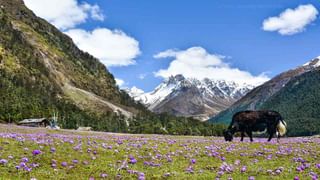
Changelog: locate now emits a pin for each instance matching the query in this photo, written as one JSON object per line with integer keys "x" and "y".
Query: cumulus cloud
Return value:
{"x": 65, "y": 14}
{"x": 196, "y": 62}
{"x": 112, "y": 47}
{"x": 119, "y": 82}
{"x": 291, "y": 21}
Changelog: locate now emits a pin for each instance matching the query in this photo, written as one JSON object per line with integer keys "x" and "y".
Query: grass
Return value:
{"x": 157, "y": 156}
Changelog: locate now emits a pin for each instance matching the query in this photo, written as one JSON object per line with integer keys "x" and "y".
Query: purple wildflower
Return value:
{"x": 22, "y": 165}
{"x": 299, "y": 169}
{"x": 36, "y": 152}
{"x": 189, "y": 169}
{"x": 3, "y": 161}
{"x": 26, "y": 168}
{"x": 132, "y": 160}
{"x": 103, "y": 175}
{"x": 25, "y": 159}
{"x": 243, "y": 169}
{"x": 141, "y": 176}
{"x": 64, "y": 164}
{"x": 52, "y": 149}
{"x": 53, "y": 165}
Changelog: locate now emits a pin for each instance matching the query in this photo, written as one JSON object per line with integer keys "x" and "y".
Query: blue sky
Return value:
{"x": 231, "y": 31}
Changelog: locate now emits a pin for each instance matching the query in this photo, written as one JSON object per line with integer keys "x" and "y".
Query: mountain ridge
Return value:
{"x": 190, "y": 97}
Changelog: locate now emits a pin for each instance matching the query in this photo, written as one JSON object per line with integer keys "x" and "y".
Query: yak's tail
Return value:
{"x": 282, "y": 127}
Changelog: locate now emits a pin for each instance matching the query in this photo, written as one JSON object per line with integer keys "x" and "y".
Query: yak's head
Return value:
{"x": 228, "y": 135}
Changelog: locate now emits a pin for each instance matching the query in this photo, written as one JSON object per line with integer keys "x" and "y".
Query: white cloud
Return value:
{"x": 112, "y": 47}
{"x": 120, "y": 82}
{"x": 65, "y": 14}
{"x": 142, "y": 76}
{"x": 291, "y": 21}
{"x": 196, "y": 62}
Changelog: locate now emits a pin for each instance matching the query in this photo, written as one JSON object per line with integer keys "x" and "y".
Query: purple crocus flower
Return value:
{"x": 25, "y": 159}
{"x": 141, "y": 176}
{"x": 64, "y": 164}
{"x": 36, "y": 152}
{"x": 132, "y": 160}
{"x": 220, "y": 173}
{"x": 53, "y": 165}
{"x": 299, "y": 169}
{"x": 26, "y": 168}
{"x": 34, "y": 165}
{"x": 3, "y": 161}
{"x": 22, "y": 165}
{"x": 103, "y": 175}
{"x": 189, "y": 169}
{"x": 296, "y": 178}
{"x": 243, "y": 169}
{"x": 251, "y": 178}
{"x": 193, "y": 161}
{"x": 52, "y": 149}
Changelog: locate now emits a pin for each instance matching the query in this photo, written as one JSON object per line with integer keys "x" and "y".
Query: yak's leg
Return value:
{"x": 270, "y": 136}
{"x": 242, "y": 135}
{"x": 271, "y": 130}
{"x": 250, "y": 135}
{"x": 278, "y": 136}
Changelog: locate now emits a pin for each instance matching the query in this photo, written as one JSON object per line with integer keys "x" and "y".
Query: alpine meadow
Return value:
{"x": 120, "y": 89}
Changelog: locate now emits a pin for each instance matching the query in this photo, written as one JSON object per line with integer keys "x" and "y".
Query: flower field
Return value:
{"x": 33, "y": 153}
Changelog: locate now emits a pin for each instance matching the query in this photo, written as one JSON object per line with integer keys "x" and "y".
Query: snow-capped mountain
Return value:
{"x": 182, "y": 96}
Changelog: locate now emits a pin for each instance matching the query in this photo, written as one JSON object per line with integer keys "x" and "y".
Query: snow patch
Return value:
{"x": 314, "y": 63}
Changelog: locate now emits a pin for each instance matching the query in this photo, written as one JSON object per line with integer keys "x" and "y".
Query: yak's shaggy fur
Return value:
{"x": 256, "y": 121}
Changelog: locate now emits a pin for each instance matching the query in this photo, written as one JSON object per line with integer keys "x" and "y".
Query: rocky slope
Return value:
{"x": 41, "y": 67}
{"x": 191, "y": 97}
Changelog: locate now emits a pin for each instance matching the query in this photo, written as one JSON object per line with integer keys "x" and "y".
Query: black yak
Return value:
{"x": 256, "y": 121}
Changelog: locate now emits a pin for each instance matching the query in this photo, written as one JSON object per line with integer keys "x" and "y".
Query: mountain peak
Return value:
{"x": 313, "y": 63}
{"x": 176, "y": 78}
{"x": 190, "y": 96}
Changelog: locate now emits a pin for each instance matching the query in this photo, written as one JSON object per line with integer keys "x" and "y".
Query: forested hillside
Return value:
{"x": 294, "y": 93}
{"x": 299, "y": 104}
{"x": 43, "y": 72}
